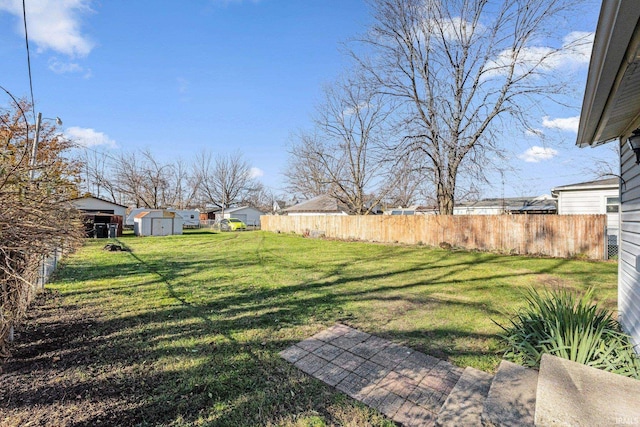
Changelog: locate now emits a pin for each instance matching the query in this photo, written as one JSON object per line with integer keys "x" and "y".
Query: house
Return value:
{"x": 611, "y": 114}
{"x": 544, "y": 204}
{"x": 319, "y": 205}
{"x": 592, "y": 197}
{"x": 101, "y": 218}
{"x": 157, "y": 222}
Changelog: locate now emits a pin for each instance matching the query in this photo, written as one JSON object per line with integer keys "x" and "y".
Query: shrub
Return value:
{"x": 572, "y": 327}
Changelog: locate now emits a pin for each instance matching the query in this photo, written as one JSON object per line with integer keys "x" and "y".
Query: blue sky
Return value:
{"x": 180, "y": 76}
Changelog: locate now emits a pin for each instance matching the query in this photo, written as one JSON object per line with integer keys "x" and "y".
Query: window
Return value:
{"x": 613, "y": 204}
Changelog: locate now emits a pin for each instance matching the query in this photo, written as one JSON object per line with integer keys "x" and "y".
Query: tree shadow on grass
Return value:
{"x": 214, "y": 360}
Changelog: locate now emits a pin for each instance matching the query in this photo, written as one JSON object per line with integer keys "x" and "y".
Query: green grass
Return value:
{"x": 193, "y": 324}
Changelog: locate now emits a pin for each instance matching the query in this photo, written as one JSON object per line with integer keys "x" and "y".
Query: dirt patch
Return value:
{"x": 56, "y": 375}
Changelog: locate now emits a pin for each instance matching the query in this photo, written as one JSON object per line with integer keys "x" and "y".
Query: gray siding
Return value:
{"x": 628, "y": 264}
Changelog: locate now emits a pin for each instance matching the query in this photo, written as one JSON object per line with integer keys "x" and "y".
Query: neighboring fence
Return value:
{"x": 47, "y": 267}
{"x": 612, "y": 243}
{"x": 561, "y": 236}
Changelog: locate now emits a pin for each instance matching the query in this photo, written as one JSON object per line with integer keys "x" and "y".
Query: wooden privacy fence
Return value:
{"x": 561, "y": 236}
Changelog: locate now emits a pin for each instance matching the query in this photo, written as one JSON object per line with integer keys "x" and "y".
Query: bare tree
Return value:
{"x": 224, "y": 180}
{"x": 344, "y": 157}
{"x": 461, "y": 69}
{"x": 305, "y": 174}
{"x": 259, "y": 196}
{"x": 97, "y": 175}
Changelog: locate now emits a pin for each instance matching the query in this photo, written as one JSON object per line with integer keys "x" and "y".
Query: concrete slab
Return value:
{"x": 410, "y": 415}
{"x": 512, "y": 397}
{"x": 464, "y": 405}
{"x": 570, "y": 393}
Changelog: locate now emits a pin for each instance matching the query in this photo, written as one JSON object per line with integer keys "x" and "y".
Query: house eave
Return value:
{"x": 615, "y": 51}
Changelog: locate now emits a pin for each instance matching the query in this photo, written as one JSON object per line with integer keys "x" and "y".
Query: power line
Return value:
{"x": 26, "y": 39}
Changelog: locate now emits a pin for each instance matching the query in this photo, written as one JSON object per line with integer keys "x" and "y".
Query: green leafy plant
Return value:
{"x": 571, "y": 327}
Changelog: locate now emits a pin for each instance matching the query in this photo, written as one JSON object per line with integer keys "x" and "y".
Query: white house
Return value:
{"x": 592, "y": 197}
{"x": 157, "y": 222}
{"x": 93, "y": 205}
{"x": 611, "y": 113}
{"x": 246, "y": 214}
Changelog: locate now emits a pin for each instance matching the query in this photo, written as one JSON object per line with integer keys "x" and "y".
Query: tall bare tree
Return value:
{"x": 224, "y": 179}
{"x": 345, "y": 154}
{"x": 461, "y": 69}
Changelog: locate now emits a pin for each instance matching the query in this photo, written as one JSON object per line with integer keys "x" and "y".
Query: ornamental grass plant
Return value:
{"x": 572, "y": 327}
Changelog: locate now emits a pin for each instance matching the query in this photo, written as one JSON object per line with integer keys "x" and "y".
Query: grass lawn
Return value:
{"x": 186, "y": 330}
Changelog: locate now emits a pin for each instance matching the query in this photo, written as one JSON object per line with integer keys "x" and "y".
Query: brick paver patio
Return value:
{"x": 407, "y": 386}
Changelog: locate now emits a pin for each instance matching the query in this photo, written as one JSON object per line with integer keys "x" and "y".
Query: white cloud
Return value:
{"x": 569, "y": 124}
{"x": 536, "y": 154}
{"x": 53, "y": 24}
{"x": 62, "y": 67}
{"x": 256, "y": 172}
{"x": 575, "y": 52}
{"x": 456, "y": 28}
{"x": 87, "y": 137}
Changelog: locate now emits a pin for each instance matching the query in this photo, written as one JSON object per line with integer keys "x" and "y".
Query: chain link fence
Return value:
{"x": 612, "y": 242}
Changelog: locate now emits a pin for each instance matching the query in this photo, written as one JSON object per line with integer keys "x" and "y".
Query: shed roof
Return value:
{"x": 611, "y": 105}
{"x": 597, "y": 184}
{"x": 152, "y": 212}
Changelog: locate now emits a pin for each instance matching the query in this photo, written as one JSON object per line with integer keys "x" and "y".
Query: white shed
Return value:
{"x": 246, "y": 214}
{"x": 190, "y": 217}
{"x": 157, "y": 222}
{"x": 92, "y": 205}
{"x": 592, "y": 197}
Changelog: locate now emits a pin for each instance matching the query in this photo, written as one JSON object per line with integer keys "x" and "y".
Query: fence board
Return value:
{"x": 560, "y": 236}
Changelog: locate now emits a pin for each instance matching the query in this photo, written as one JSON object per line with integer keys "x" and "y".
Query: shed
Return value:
{"x": 591, "y": 197}
{"x": 157, "y": 222}
{"x": 190, "y": 217}
{"x": 611, "y": 113}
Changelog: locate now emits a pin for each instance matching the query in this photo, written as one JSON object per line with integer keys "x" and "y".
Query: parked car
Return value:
{"x": 232, "y": 224}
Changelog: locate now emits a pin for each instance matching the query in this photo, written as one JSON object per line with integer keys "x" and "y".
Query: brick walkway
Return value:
{"x": 407, "y": 386}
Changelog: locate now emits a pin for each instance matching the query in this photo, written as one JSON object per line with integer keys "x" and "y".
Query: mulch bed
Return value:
{"x": 61, "y": 373}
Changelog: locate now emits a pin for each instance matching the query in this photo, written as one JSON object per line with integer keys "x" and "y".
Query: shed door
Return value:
{"x": 161, "y": 227}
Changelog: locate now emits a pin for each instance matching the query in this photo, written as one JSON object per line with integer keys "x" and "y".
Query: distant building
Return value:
{"x": 544, "y": 204}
